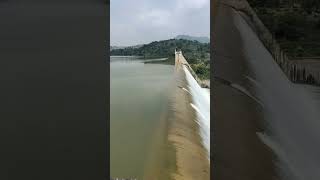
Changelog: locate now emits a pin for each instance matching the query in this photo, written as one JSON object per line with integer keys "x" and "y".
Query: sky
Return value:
{"x": 135, "y": 22}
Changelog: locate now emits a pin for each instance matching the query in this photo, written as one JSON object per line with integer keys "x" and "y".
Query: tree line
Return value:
{"x": 294, "y": 23}
{"x": 197, "y": 54}
{"x": 308, "y": 5}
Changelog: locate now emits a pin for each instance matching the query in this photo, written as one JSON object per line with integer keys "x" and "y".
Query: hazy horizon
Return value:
{"x": 144, "y": 21}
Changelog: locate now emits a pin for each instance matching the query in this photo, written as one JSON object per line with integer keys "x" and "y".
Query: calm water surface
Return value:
{"x": 139, "y": 109}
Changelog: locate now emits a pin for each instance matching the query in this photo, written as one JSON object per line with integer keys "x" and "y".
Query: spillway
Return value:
{"x": 201, "y": 104}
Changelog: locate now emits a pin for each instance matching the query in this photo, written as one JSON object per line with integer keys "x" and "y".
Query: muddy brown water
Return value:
{"x": 153, "y": 132}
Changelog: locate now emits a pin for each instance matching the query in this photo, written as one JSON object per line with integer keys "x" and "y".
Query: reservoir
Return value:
{"x": 158, "y": 121}
{"x": 138, "y": 111}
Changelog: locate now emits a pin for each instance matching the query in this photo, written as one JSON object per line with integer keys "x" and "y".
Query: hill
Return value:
{"x": 116, "y": 47}
{"x": 197, "y": 54}
{"x": 202, "y": 39}
{"x": 122, "y": 47}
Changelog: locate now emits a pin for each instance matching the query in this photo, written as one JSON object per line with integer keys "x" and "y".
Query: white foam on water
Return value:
{"x": 201, "y": 104}
{"x": 186, "y": 90}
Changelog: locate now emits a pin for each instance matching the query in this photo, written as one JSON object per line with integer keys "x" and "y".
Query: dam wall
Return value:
{"x": 303, "y": 70}
{"x": 180, "y": 59}
{"x": 200, "y": 99}
{"x": 187, "y": 130}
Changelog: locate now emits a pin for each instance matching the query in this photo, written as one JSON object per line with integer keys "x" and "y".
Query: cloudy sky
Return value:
{"x": 142, "y": 21}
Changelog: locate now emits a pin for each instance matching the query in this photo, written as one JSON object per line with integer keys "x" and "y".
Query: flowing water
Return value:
{"x": 201, "y": 99}
{"x": 143, "y": 109}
